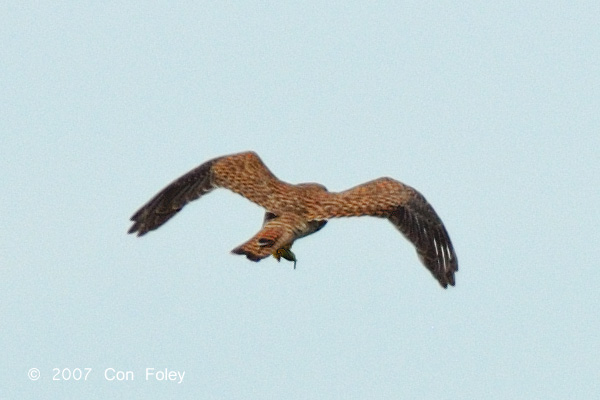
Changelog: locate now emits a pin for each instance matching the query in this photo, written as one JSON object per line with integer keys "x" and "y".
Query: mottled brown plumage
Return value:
{"x": 295, "y": 211}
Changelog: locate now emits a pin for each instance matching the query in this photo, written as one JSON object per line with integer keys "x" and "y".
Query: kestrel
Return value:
{"x": 295, "y": 211}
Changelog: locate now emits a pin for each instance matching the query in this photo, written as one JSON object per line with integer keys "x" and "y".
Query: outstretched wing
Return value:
{"x": 410, "y": 213}
{"x": 243, "y": 173}
{"x": 420, "y": 224}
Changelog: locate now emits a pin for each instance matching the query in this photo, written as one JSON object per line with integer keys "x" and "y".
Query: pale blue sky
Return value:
{"x": 490, "y": 110}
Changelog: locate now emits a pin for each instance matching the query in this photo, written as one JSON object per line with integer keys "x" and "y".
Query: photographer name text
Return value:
{"x": 151, "y": 374}
{"x": 110, "y": 374}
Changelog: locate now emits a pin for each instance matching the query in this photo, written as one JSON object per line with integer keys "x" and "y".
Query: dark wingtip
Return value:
{"x": 445, "y": 284}
{"x": 447, "y": 279}
{"x": 137, "y": 228}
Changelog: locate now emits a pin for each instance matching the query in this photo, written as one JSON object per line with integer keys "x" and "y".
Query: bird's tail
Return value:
{"x": 275, "y": 234}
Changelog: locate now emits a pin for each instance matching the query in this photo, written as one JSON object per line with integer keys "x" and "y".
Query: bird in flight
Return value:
{"x": 295, "y": 211}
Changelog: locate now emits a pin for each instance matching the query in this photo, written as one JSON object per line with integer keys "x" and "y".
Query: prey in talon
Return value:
{"x": 286, "y": 253}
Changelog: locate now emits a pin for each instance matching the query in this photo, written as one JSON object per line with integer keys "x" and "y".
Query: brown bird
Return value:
{"x": 295, "y": 211}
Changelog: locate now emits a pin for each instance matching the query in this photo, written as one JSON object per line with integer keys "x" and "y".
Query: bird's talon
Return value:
{"x": 286, "y": 253}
